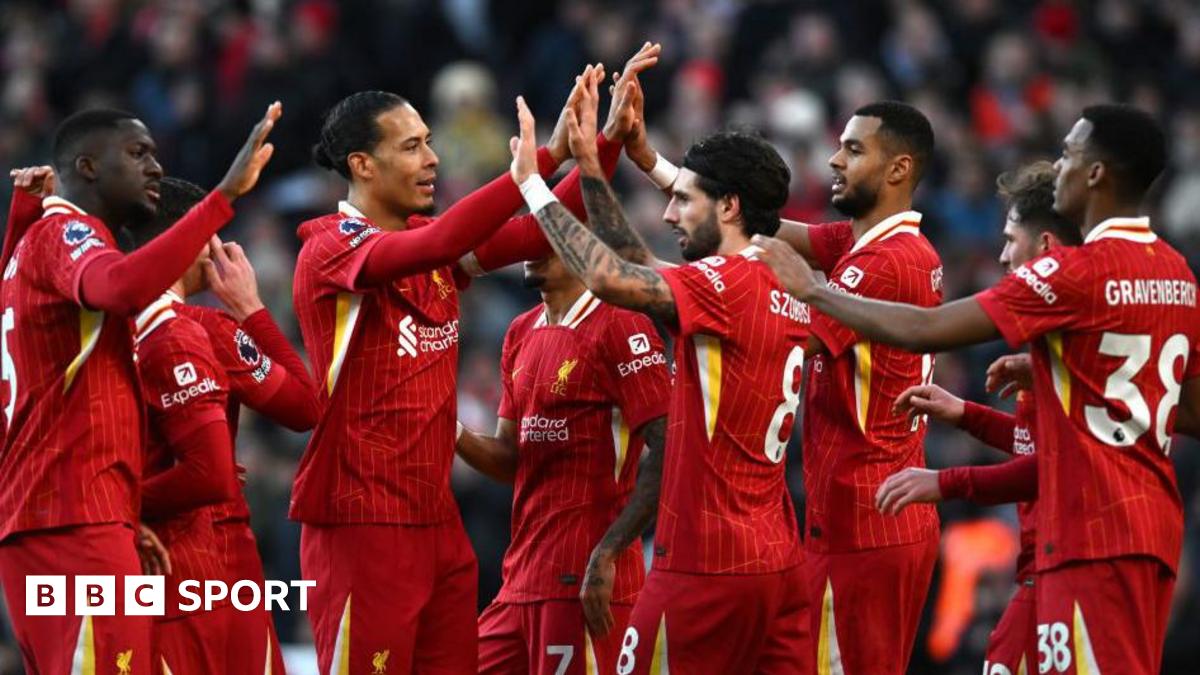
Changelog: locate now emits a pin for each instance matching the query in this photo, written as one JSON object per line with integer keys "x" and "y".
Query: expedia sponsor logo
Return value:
{"x": 414, "y": 338}
{"x": 639, "y": 343}
{"x": 633, "y": 367}
{"x": 1037, "y": 284}
{"x": 1023, "y": 441}
{"x": 708, "y": 267}
{"x": 205, "y": 386}
{"x": 538, "y": 429}
{"x": 851, "y": 277}
{"x": 788, "y": 307}
{"x": 1045, "y": 267}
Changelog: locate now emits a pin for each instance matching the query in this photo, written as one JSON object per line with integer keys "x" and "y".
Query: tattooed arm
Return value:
{"x": 596, "y": 591}
{"x": 608, "y": 221}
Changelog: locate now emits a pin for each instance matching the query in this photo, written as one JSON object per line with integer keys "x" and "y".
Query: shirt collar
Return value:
{"x": 1130, "y": 229}
{"x": 905, "y": 222}
{"x": 155, "y": 314}
{"x": 582, "y": 309}
{"x": 52, "y": 206}
{"x": 347, "y": 209}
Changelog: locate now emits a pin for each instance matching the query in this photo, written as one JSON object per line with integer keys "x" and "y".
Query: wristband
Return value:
{"x": 536, "y": 194}
{"x": 458, "y": 433}
{"x": 663, "y": 174}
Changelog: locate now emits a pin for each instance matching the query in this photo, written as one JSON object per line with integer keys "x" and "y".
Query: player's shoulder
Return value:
{"x": 339, "y": 229}
{"x": 170, "y": 334}
{"x": 212, "y": 319}
{"x": 70, "y": 230}
{"x": 524, "y": 322}
{"x": 611, "y": 322}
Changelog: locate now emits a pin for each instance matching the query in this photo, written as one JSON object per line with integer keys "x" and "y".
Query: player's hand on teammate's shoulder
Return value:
{"x": 524, "y": 145}
{"x": 253, "y": 156}
{"x": 35, "y": 180}
{"x": 932, "y": 400}
{"x": 231, "y": 278}
{"x": 907, "y": 486}
{"x": 789, "y": 267}
{"x": 1009, "y": 374}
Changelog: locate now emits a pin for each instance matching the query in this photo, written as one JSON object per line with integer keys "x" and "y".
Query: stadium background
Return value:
{"x": 1001, "y": 80}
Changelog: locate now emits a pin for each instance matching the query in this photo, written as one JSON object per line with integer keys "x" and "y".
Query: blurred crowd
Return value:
{"x": 1001, "y": 80}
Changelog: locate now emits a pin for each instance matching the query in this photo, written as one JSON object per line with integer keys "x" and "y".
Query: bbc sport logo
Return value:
{"x": 146, "y": 595}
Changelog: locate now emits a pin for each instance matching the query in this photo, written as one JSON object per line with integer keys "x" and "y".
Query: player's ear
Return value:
{"x": 729, "y": 208}
{"x": 901, "y": 169}
{"x": 1046, "y": 241}
{"x": 1096, "y": 173}
{"x": 361, "y": 165}
{"x": 85, "y": 166}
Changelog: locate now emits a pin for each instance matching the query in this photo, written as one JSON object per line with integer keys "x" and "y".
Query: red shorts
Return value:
{"x": 194, "y": 644}
{"x": 866, "y": 606}
{"x": 50, "y": 644}
{"x": 1012, "y": 646}
{"x": 719, "y": 624}
{"x": 391, "y": 598}
{"x": 252, "y": 639}
{"x": 546, "y": 637}
{"x": 1109, "y": 615}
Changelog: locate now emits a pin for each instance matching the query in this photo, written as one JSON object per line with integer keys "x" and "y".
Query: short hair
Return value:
{"x": 73, "y": 131}
{"x": 1029, "y": 190}
{"x": 176, "y": 197}
{"x": 743, "y": 164}
{"x": 351, "y": 126}
{"x": 905, "y": 129}
{"x": 1130, "y": 142}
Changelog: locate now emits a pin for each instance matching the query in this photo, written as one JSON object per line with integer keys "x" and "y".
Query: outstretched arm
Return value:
{"x": 916, "y": 329}
{"x": 596, "y": 590}
{"x": 493, "y": 456}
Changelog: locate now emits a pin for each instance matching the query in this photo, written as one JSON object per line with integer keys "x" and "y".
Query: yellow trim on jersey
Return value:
{"x": 862, "y": 382}
{"x": 1022, "y": 669}
{"x": 341, "y": 646}
{"x": 1085, "y": 656}
{"x": 590, "y": 666}
{"x": 658, "y": 663}
{"x": 1058, "y": 370}
{"x": 84, "y": 660}
{"x": 620, "y": 435}
{"x": 708, "y": 366}
{"x": 267, "y": 662}
{"x": 348, "y": 305}
{"x": 90, "y": 324}
{"x": 829, "y": 655}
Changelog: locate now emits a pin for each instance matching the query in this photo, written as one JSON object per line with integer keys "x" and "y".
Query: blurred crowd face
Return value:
{"x": 858, "y": 167}
{"x": 402, "y": 168}
{"x": 692, "y": 215}
{"x": 1071, "y": 184}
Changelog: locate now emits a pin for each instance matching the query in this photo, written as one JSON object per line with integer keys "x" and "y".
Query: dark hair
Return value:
{"x": 905, "y": 129}
{"x": 351, "y": 126}
{"x": 1130, "y": 142}
{"x": 1029, "y": 190}
{"x": 176, "y": 197}
{"x": 742, "y": 164}
{"x": 74, "y": 130}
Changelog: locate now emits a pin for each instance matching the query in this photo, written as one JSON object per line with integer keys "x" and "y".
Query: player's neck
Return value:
{"x": 884, "y": 208}
{"x": 558, "y": 301}
{"x": 1100, "y": 210}
{"x": 379, "y": 215}
{"x": 733, "y": 241}
{"x": 92, "y": 205}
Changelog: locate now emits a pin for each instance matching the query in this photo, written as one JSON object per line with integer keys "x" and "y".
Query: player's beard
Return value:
{"x": 856, "y": 201}
{"x": 704, "y": 240}
{"x": 533, "y": 280}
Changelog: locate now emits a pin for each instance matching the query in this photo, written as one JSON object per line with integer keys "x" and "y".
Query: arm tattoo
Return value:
{"x": 643, "y": 504}
{"x": 607, "y": 220}
{"x": 633, "y": 286}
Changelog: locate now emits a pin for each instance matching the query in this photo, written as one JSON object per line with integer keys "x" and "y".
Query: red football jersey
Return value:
{"x": 853, "y": 439}
{"x": 73, "y": 449}
{"x": 1024, "y": 443}
{"x": 739, "y": 353}
{"x": 1112, "y": 325}
{"x": 386, "y": 358}
{"x": 578, "y": 392}
{"x": 184, "y": 388}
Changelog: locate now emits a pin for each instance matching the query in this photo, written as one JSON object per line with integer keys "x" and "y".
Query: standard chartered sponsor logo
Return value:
{"x": 1022, "y": 441}
{"x": 538, "y": 429}
{"x": 632, "y": 367}
{"x": 414, "y": 338}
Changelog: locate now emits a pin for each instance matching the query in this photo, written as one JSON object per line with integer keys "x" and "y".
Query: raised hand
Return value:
{"x": 932, "y": 400}
{"x": 254, "y": 155}
{"x": 524, "y": 146}
{"x": 1010, "y": 374}
{"x": 908, "y": 486}
{"x": 581, "y": 125}
{"x": 626, "y": 110}
{"x": 789, "y": 267}
{"x": 36, "y": 180}
{"x": 558, "y": 145}
{"x": 231, "y": 278}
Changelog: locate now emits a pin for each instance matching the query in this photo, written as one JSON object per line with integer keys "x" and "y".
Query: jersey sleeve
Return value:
{"x": 637, "y": 369}
{"x": 63, "y": 248}
{"x": 253, "y": 376}
{"x": 699, "y": 290}
{"x": 830, "y": 241}
{"x": 342, "y": 250}
{"x": 1040, "y": 296}
{"x": 182, "y": 382}
{"x": 508, "y": 404}
{"x": 870, "y": 275}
